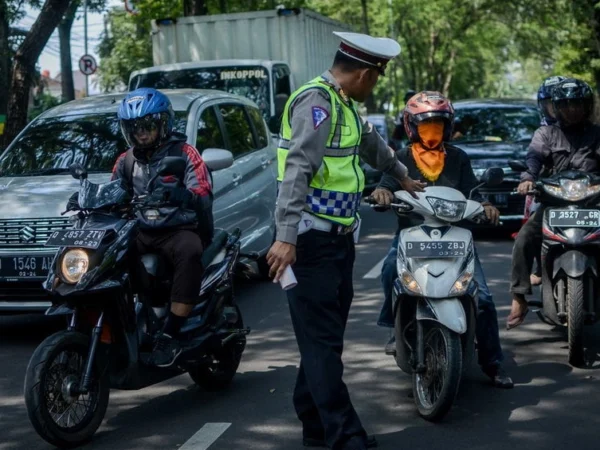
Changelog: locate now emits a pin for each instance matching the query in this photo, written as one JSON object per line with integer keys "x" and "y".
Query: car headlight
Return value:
{"x": 572, "y": 190}
{"x": 462, "y": 283}
{"x": 451, "y": 211}
{"x": 74, "y": 265}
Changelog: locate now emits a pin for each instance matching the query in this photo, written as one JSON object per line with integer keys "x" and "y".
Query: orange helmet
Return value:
{"x": 426, "y": 105}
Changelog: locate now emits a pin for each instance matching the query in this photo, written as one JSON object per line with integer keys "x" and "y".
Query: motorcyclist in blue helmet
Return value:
{"x": 544, "y": 98}
{"x": 184, "y": 227}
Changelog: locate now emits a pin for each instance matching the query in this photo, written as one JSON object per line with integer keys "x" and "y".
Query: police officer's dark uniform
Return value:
{"x": 322, "y": 137}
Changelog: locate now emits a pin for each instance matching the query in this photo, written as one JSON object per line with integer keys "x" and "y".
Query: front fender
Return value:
{"x": 574, "y": 263}
{"x": 449, "y": 312}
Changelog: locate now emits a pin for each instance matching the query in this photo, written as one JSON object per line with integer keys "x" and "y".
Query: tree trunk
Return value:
{"x": 223, "y": 6}
{"x": 370, "y": 101}
{"x": 449, "y": 72}
{"x": 194, "y": 8}
{"x": 24, "y": 65}
{"x": 4, "y": 57}
{"x": 66, "y": 68}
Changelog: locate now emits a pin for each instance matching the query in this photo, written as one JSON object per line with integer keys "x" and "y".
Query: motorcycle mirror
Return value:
{"x": 493, "y": 176}
{"x": 517, "y": 166}
{"x": 77, "y": 171}
{"x": 172, "y": 165}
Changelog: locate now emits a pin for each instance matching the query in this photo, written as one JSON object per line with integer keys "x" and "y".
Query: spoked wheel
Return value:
{"x": 59, "y": 414}
{"x": 435, "y": 389}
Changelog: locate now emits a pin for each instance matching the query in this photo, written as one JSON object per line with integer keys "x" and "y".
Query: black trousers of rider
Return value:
{"x": 528, "y": 246}
{"x": 182, "y": 250}
{"x": 319, "y": 308}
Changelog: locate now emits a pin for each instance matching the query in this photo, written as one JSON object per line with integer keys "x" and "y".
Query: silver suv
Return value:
{"x": 35, "y": 184}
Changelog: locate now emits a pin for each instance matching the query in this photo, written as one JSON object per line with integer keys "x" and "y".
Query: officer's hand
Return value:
{"x": 382, "y": 196}
{"x": 492, "y": 213}
{"x": 411, "y": 186}
{"x": 524, "y": 187}
{"x": 279, "y": 257}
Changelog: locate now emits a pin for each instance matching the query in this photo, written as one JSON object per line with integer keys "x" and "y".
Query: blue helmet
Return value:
{"x": 544, "y": 97}
{"x": 145, "y": 110}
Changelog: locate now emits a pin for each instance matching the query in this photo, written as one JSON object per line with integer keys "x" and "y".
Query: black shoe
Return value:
{"x": 499, "y": 377}
{"x": 312, "y": 442}
{"x": 165, "y": 352}
{"x": 390, "y": 347}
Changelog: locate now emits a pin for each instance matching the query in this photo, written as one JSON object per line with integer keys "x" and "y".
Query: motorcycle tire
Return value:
{"x": 430, "y": 409}
{"x": 576, "y": 320}
{"x": 47, "y": 379}
{"x": 219, "y": 374}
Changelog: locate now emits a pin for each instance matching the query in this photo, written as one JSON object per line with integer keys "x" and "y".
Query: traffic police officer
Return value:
{"x": 322, "y": 137}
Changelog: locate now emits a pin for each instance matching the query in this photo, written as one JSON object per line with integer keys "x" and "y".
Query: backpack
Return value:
{"x": 205, "y": 226}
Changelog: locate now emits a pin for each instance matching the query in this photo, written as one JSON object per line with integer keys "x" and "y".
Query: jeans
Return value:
{"x": 488, "y": 337}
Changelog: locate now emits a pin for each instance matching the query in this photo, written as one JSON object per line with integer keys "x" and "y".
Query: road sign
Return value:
{"x": 87, "y": 65}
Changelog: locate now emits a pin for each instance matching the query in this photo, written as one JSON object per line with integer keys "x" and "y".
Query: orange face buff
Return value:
{"x": 431, "y": 134}
{"x": 429, "y": 153}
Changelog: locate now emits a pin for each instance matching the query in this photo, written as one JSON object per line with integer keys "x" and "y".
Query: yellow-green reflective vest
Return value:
{"x": 335, "y": 190}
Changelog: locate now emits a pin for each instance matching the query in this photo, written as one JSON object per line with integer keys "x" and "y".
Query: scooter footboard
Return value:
{"x": 449, "y": 312}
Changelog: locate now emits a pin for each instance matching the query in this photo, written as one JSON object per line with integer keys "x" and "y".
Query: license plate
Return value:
{"x": 76, "y": 238}
{"x": 13, "y": 267}
{"x": 439, "y": 249}
{"x": 574, "y": 218}
{"x": 500, "y": 200}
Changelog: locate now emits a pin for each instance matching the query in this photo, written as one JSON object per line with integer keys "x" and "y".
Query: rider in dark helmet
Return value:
{"x": 146, "y": 118}
{"x": 544, "y": 99}
{"x": 571, "y": 143}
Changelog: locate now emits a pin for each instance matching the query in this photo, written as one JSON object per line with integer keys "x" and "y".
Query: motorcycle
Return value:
{"x": 435, "y": 297}
{"x": 570, "y": 245}
{"x": 116, "y": 310}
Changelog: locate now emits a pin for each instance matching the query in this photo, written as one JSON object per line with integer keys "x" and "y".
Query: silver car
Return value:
{"x": 35, "y": 184}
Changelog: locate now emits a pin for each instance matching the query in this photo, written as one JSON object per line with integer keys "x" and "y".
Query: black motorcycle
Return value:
{"x": 117, "y": 305}
{"x": 570, "y": 248}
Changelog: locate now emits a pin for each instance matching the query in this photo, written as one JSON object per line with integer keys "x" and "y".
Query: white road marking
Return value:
{"x": 375, "y": 272}
{"x": 205, "y": 436}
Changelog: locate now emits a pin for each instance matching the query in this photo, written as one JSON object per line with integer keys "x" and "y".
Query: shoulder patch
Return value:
{"x": 319, "y": 115}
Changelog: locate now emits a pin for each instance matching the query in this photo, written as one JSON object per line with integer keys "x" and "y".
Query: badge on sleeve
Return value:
{"x": 320, "y": 115}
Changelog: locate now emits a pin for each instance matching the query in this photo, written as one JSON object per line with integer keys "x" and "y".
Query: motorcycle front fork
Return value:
{"x": 420, "y": 367}
{"x": 84, "y": 386}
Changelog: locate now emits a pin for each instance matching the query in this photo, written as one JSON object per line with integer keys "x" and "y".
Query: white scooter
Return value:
{"x": 435, "y": 296}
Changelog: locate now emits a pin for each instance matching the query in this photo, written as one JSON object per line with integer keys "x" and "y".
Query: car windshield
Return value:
{"x": 495, "y": 124}
{"x": 247, "y": 81}
{"x": 50, "y": 145}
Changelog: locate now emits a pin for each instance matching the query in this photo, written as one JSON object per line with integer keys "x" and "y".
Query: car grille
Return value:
{"x": 29, "y": 233}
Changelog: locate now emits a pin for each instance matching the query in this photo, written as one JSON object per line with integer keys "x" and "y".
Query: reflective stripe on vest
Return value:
{"x": 335, "y": 190}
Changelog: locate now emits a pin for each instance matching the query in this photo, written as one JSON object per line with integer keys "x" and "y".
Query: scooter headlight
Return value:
{"x": 409, "y": 282}
{"x": 572, "y": 190}
{"x": 74, "y": 265}
{"x": 462, "y": 283}
{"x": 451, "y": 211}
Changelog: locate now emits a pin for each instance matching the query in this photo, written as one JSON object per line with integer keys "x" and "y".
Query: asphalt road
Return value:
{"x": 553, "y": 405}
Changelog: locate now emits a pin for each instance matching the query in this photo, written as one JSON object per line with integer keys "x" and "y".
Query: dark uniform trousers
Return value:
{"x": 319, "y": 307}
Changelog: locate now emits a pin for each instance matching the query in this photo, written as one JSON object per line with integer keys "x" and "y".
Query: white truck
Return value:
{"x": 261, "y": 55}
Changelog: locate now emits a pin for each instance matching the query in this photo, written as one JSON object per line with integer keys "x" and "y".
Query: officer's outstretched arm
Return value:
{"x": 311, "y": 124}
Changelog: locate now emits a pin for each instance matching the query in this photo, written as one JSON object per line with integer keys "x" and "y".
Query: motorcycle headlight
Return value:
{"x": 462, "y": 283}
{"x": 74, "y": 265}
{"x": 409, "y": 282}
{"x": 572, "y": 190}
{"x": 451, "y": 211}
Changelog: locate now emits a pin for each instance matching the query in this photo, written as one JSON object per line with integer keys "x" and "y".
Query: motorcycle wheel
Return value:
{"x": 60, "y": 417}
{"x": 219, "y": 373}
{"x": 434, "y": 390}
{"x": 576, "y": 318}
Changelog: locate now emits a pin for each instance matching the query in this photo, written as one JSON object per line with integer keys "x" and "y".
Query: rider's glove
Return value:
{"x": 176, "y": 196}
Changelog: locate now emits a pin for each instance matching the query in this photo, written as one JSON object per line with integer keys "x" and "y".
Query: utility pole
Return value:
{"x": 85, "y": 43}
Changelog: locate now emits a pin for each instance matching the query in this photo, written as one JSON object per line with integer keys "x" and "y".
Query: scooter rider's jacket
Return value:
{"x": 554, "y": 149}
{"x": 198, "y": 210}
{"x": 457, "y": 174}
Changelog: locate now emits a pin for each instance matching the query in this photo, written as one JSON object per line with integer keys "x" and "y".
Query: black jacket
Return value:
{"x": 554, "y": 150}
{"x": 457, "y": 173}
